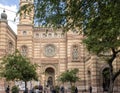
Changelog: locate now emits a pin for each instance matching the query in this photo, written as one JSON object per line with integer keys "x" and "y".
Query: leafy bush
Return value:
{"x": 73, "y": 89}
{"x": 36, "y": 87}
{"x": 15, "y": 89}
{"x": 57, "y": 89}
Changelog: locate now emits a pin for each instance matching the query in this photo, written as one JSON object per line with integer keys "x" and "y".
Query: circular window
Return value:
{"x": 49, "y": 50}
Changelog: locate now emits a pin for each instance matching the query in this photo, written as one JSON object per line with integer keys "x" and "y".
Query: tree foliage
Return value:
{"x": 55, "y": 13}
{"x": 99, "y": 19}
{"x": 16, "y": 67}
{"x": 102, "y": 29}
{"x": 69, "y": 76}
{"x": 102, "y": 32}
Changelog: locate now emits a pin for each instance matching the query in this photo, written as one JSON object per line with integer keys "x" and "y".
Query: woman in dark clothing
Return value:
{"x": 53, "y": 90}
{"x": 90, "y": 88}
{"x": 76, "y": 90}
{"x": 62, "y": 89}
{"x": 8, "y": 89}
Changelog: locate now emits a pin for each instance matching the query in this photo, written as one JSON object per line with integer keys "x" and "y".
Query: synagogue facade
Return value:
{"x": 54, "y": 52}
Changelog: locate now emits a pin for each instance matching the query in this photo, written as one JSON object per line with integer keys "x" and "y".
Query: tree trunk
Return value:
{"x": 71, "y": 84}
{"x": 26, "y": 90}
{"x": 111, "y": 85}
{"x": 110, "y": 90}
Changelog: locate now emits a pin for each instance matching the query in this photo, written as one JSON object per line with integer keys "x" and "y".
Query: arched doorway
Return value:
{"x": 50, "y": 76}
{"x": 106, "y": 79}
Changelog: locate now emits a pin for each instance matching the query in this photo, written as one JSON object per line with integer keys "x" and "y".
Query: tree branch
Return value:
{"x": 116, "y": 75}
{"x": 113, "y": 56}
{"x": 117, "y": 51}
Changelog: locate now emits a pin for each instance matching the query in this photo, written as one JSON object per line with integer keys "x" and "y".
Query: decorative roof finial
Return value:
{"x": 4, "y": 15}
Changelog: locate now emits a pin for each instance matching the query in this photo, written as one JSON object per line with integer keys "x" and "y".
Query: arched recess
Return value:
{"x": 105, "y": 77}
{"x": 24, "y": 50}
{"x": 10, "y": 47}
{"x": 50, "y": 76}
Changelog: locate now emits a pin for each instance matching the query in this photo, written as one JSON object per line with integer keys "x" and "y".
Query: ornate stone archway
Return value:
{"x": 49, "y": 76}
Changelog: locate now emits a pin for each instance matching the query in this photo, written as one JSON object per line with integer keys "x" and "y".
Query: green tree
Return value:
{"x": 15, "y": 89}
{"x": 99, "y": 19}
{"x": 69, "y": 76}
{"x": 17, "y": 67}
{"x": 102, "y": 33}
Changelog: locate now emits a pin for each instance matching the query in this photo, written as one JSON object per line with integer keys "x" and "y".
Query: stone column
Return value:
{"x": 94, "y": 75}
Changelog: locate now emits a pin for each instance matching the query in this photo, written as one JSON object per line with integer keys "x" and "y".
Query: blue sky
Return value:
{"x": 11, "y": 7}
{"x": 9, "y": 2}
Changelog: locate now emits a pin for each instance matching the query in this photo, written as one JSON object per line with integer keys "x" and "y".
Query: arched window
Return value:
{"x": 106, "y": 79}
{"x": 49, "y": 35}
{"x": 37, "y": 35}
{"x": 44, "y": 35}
{"x": 75, "y": 31}
{"x": 75, "y": 53}
{"x": 10, "y": 47}
{"x": 55, "y": 34}
{"x": 24, "y": 50}
{"x": 24, "y": 33}
{"x": 62, "y": 35}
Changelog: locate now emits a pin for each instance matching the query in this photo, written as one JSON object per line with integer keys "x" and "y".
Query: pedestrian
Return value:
{"x": 40, "y": 88}
{"x": 32, "y": 91}
{"x": 26, "y": 90}
{"x": 53, "y": 90}
{"x": 62, "y": 89}
{"x": 7, "y": 89}
{"x": 46, "y": 89}
{"x": 76, "y": 90}
{"x": 37, "y": 91}
{"x": 90, "y": 89}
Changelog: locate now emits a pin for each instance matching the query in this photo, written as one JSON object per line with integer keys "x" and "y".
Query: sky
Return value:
{"x": 11, "y": 8}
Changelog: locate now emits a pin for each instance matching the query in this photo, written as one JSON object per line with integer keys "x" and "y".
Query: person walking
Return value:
{"x": 90, "y": 89}
{"x": 7, "y": 89}
{"x": 46, "y": 89}
{"x": 62, "y": 89}
{"x": 40, "y": 88}
{"x": 76, "y": 90}
{"x": 53, "y": 90}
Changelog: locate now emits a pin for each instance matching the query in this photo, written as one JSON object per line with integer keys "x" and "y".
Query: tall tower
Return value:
{"x": 26, "y": 18}
{"x": 25, "y": 31}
